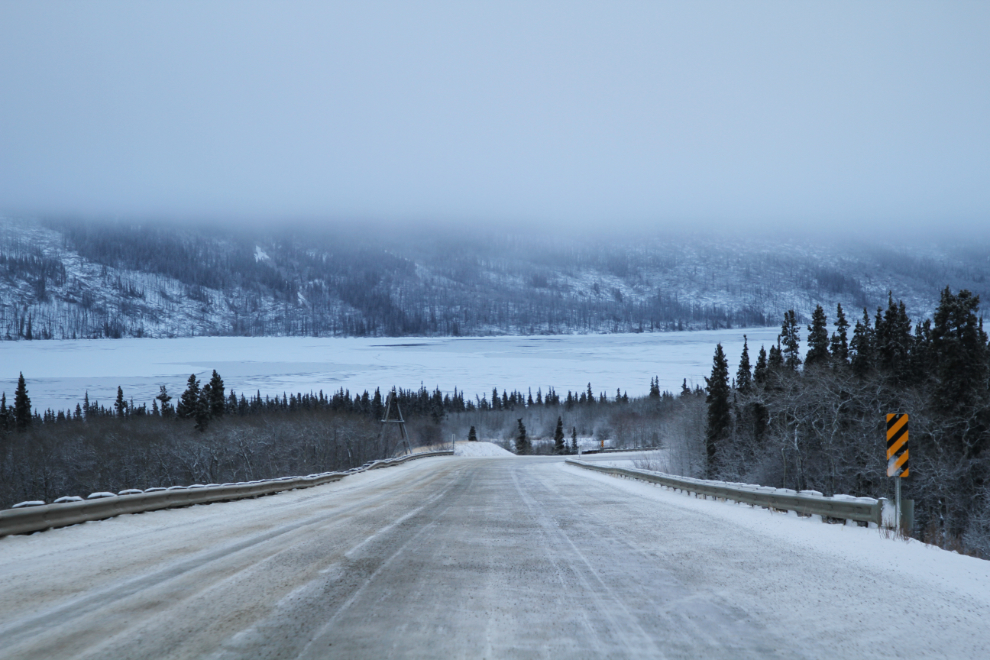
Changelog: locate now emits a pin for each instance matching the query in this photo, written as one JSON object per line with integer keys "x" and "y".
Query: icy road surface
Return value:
{"x": 484, "y": 558}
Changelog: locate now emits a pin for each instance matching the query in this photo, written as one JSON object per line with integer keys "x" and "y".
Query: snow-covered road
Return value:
{"x": 484, "y": 558}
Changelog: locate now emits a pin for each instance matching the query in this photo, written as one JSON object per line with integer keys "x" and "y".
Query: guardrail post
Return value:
{"x": 907, "y": 517}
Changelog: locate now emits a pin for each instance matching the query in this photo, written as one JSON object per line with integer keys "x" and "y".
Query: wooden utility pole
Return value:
{"x": 390, "y": 401}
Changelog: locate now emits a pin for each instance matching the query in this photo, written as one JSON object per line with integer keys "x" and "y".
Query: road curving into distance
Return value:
{"x": 480, "y": 558}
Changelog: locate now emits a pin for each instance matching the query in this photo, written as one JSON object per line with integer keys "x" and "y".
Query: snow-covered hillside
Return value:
{"x": 114, "y": 280}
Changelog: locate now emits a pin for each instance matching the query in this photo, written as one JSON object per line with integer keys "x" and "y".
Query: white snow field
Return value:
{"x": 480, "y": 450}
{"x": 58, "y": 373}
{"x": 521, "y": 557}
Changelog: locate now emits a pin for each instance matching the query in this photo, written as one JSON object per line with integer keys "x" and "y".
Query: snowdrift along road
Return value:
{"x": 466, "y": 557}
{"x": 480, "y": 450}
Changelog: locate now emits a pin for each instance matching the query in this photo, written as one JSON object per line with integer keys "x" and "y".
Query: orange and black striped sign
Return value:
{"x": 897, "y": 445}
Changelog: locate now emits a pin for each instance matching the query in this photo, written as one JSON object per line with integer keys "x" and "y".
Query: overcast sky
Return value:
{"x": 656, "y": 113}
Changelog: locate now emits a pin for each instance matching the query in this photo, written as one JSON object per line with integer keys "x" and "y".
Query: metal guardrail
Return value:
{"x": 37, "y": 518}
{"x": 617, "y": 450}
{"x": 863, "y": 509}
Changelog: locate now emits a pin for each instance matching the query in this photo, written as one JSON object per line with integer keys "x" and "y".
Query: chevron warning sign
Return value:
{"x": 897, "y": 445}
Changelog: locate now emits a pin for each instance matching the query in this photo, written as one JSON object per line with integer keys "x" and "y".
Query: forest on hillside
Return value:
{"x": 67, "y": 279}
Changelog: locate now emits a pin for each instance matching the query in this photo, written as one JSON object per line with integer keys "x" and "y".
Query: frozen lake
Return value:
{"x": 59, "y": 372}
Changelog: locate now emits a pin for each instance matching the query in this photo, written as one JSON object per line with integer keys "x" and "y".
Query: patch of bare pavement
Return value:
{"x": 456, "y": 557}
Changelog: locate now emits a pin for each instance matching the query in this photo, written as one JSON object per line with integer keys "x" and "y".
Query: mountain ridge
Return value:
{"x": 70, "y": 279}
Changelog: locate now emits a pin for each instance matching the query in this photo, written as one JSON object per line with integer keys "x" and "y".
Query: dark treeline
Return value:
{"x": 820, "y": 425}
{"x": 209, "y": 434}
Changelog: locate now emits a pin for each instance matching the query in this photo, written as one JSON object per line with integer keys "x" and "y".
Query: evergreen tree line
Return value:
{"x": 211, "y": 434}
{"x": 672, "y": 422}
{"x": 818, "y": 422}
{"x": 203, "y": 402}
{"x": 523, "y": 443}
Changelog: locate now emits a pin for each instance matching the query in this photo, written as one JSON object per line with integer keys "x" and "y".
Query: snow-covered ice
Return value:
{"x": 58, "y": 373}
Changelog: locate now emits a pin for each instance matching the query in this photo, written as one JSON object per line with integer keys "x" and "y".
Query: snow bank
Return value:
{"x": 480, "y": 450}
{"x": 908, "y": 563}
{"x": 21, "y": 505}
{"x": 629, "y": 464}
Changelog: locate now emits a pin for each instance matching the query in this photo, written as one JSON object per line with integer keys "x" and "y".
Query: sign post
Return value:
{"x": 897, "y": 456}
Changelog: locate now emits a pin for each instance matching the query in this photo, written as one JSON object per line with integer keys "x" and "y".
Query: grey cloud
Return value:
{"x": 637, "y": 113}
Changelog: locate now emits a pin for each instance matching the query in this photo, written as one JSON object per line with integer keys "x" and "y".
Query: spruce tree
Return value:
{"x": 574, "y": 447}
{"x": 377, "y": 405}
{"x": 861, "y": 347}
{"x": 790, "y": 337}
{"x": 960, "y": 350}
{"x": 894, "y": 339}
{"x": 217, "y": 400}
{"x": 164, "y": 398}
{"x": 559, "y": 447}
{"x": 472, "y": 435}
{"x": 760, "y": 373}
{"x": 655, "y": 387}
{"x": 120, "y": 406}
{"x": 775, "y": 360}
{"x": 22, "y": 405}
{"x": 719, "y": 419}
{"x": 817, "y": 338}
{"x": 839, "y": 347}
{"x": 744, "y": 377}
{"x": 879, "y": 336}
{"x": 922, "y": 354}
{"x": 522, "y": 440}
{"x": 204, "y": 408}
{"x": 5, "y": 414}
{"x": 189, "y": 401}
